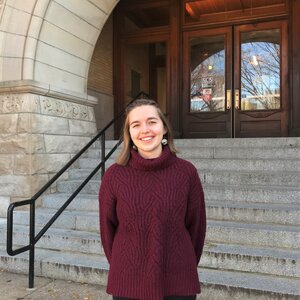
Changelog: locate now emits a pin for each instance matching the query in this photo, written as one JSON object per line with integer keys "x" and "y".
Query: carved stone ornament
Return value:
{"x": 10, "y": 104}
{"x": 66, "y": 109}
{"x": 18, "y": 103}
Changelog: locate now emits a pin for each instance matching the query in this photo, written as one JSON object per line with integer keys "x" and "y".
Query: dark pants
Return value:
{"x": 165, "y": 298}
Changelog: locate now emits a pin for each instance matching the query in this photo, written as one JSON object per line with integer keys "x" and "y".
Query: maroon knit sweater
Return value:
{"x": 153, "y": 224}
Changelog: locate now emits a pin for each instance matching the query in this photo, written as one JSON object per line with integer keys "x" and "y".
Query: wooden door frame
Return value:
{"x": 227, "y": 31}
{"x": 270, "y": 115}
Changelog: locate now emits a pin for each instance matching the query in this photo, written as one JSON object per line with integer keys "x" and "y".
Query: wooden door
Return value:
{"x": 235, "y": 81}
{"x": 261, "y": 80}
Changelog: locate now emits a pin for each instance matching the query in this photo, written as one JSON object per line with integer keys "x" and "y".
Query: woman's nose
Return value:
{"x": 145, "y": 128}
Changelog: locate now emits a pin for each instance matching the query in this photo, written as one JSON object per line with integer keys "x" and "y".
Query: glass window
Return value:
{"x": 207, "y": 89}
{"x": 260, "y": 70}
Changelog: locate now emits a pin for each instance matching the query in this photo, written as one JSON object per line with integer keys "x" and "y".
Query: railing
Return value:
{"x": 34, "y": 238}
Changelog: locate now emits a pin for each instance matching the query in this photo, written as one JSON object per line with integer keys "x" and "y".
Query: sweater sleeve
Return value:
{"x": 108, "y": 215}
{"x": 196, "y": 215}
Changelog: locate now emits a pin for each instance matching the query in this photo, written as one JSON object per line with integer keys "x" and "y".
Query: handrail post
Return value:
{"x": 103, "y": 153}
{"x": 32, "y": 244}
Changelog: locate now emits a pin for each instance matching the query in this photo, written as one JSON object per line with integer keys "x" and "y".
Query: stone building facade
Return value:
{"x": 55, "y": 87}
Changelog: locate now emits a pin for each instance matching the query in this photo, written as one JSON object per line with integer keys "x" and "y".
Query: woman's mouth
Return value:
{"x": 147, "y": 138}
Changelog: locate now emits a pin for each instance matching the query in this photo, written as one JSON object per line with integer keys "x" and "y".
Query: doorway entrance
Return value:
{"x": 235, "y": 81}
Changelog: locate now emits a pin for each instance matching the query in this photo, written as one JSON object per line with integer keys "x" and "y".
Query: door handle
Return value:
{"x": 228, "y": 99}
{"x": 237, "y": 99}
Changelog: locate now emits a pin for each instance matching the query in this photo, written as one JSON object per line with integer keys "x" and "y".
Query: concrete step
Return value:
{"x": 217, "y": 232}
{"x": 69, "y": 186}
{"x": 280, "y": 262}
{"x": 222, "y": 164}
{"x": 74, "y": 220}
{"x": 253, "y": 212}
{"x": 224, "y": 177}
{"x": 262, "y": 235}
{"x": 236, "y": 193}
{"x": 83, "y": 202}
{"x": 66, "y": 240}
{"x": 282, "y": 153}
{"x": 253, "y": 194}
{"x": 216, "y": 284}
{"x": 289, "y": 142}
{"x": 216, "y": 210}
{"x": 251, "y": 259}
{"x": 282, "y": 142}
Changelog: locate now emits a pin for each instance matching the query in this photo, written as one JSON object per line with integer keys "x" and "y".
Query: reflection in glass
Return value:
{"x": 260, "y": 70}
{"x": 207, "y": 91}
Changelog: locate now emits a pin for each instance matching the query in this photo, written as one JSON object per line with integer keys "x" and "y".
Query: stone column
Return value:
{"x": 39, "y": 133}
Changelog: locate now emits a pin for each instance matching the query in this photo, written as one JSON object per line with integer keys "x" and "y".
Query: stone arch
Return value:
{"x": 46, "y": 114}
{"x": 51, "y": 41}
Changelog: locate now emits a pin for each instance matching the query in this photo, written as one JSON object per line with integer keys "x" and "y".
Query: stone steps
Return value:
{"x": 222, "y": 164}
{"x": 275, "y": 178}
{"x": 267, "y": 235}
{"x": 222, "y": 152}
{"x": 283, "y": 214}
{"x": 252, "y": 191}
{"x": 215, "y": 283}
{"x": 263, "y": 260}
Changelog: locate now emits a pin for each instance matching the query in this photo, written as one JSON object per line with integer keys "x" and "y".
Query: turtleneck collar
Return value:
{"x": 164, "y": 160}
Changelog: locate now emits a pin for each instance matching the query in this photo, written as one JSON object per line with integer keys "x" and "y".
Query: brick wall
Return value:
{"x": 100, "y": 78}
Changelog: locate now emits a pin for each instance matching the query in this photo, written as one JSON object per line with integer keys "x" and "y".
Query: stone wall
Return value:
{"x": 38, "y": 135}
{"x": 46, "y": 114}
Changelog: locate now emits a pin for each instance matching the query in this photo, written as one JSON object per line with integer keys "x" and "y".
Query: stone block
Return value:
{"x": 36, "y": 123}
{"x": 68, "y": 21}
{"x": 21, "y": 143}
{"x": 64, "y": 144}
{"x": 66, "y": 109}
{"x": 9, "y": 42}
{"x": 21, "y": 186}
{"x": 57, "y": 77}
{"x": 8, "y": 123}
{"x": 14, "y": 21}
{"x": 4, "y": 203}
{"x": 12, "y": 144}
{"x": 66, "y": 41}
{"x": 86, "y": 11}
{"x": 22, "y": 165}
{"x": 35, "y": 27}
{"x": 6, "y": 164}
{"x": 12, "y": 67}
{"x": 17, "y": 103}
{"x": 105, "y": 5}
{"x": 46, "y": 163}
{"x": 82, "y": 128}
{"x": 60, "y": 59}
{"x": 29, "y": 164}
{"x": 27, "y": 5}
{"x": 30, "y": 48}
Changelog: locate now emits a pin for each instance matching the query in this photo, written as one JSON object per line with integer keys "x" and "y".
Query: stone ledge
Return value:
{"x": 40, "y": 88}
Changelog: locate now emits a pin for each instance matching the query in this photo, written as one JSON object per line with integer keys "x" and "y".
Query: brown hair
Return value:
{"x": 124, "y": 155}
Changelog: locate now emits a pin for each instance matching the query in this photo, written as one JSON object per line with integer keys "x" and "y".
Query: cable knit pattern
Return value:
{"x": 153, "y": 224}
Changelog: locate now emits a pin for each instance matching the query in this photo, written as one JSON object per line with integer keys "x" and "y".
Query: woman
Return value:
{"x": 152, "y": 213}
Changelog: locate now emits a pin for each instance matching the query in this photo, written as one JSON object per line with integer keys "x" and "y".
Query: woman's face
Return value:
{"x": 146, "y": 130}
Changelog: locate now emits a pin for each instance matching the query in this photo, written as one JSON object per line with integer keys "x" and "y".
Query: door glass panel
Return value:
{"x": 260, "y": 70}
{"x": 207, "y": 65}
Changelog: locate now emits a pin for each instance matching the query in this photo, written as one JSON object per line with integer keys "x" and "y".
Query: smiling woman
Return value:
{"x": 146, "y": 131}
{"x": 152, "y": 213}
{"x": 145, "y": 124}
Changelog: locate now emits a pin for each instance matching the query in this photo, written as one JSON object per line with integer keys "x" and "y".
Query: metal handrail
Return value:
{"x": 34, "y": 238}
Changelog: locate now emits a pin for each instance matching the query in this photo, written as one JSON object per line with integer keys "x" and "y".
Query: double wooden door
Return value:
{"x": 235, "y": 81}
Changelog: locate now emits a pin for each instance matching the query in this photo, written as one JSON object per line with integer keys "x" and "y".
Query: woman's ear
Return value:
{"x": 165, "y": 130}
